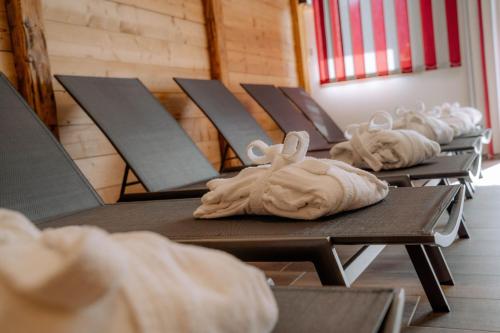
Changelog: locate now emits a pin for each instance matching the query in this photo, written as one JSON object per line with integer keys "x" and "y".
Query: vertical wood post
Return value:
{"x": 214, "y": 23}
{"x": 299, "y": 41}
{"x": 214, "y": 26}
{"x": 31, "y": 58}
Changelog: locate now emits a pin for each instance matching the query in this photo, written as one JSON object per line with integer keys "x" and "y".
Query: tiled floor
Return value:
{"x": 475, "y": 263}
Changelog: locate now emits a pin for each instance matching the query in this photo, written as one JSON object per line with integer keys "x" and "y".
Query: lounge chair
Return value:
{"x": 289, "y": 118}
{"x": 231, "y": 119}
{"x": 38, "y": 178}
{"x": 337, "y": 309}
{"x": 285, "y": 114}
{"x": 155, "y": 148}
{"x": 150, "y": 141}
{"x": 325, "y": 124}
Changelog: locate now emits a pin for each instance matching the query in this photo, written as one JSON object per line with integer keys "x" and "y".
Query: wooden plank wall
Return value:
{"x": 6, "y": 57}
{"x": 260, "y": 49}
{"x": 155, "y": 41}
{"x": 148, "y": 39}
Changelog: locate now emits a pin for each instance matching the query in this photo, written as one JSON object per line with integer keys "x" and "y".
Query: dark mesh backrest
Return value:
{"x": 284, "y": 113}
{"x": 149, "y": 139}
{"x": 37, "y": 177}
{"x": 315, "y": 113}
{"x": 226, "y": 112}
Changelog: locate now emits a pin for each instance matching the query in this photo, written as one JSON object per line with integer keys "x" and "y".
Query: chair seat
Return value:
{"x": 335, "y": 309}
{"x": 455, "y": 166}
{"x": 464, "y": 143}
{"x": 406, "y": 215}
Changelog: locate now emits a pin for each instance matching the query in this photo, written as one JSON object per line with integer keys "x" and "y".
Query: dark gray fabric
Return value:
{"x": 36, "y": 176}
{"x": 152, "y": 143}
{"x": 318, "y": 116}
{"x": 227, "y": 113}
{"x": 319, "y": 153}
{"x": 465, "y": 143}
{"x": 325, "y": 124}
{"x": 407, "y": 214}
{"x": 285, "y": 114}
{"x": 332, "y": 309}
{"x": 478, "y": 132}
{"x": 455, "y": 166}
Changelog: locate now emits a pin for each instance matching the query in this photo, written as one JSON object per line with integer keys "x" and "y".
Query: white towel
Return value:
{"x": 425, "y": 123}
{"x": 377, "y": 147}
{"x": 81, "y": 279}
{"x": 463, "y": 120}
{"x": 292, "y": 186}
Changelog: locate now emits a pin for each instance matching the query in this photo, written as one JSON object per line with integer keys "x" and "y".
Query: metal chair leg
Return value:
{"x": 463, "y": 233}
{"x": 428, "y": 278}
{"x": 472, "y": 187}
{"x": 469, "y": 193}
{"x": 329, "y": 268}
{"x": 439, "y": 265}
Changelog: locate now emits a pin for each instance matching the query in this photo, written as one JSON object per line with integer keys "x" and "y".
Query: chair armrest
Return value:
{"x": 447, "y": 235}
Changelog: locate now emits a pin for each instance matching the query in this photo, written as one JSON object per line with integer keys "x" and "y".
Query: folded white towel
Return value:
{"x": 82, "y": 279}
{"x": 463, "y": 120}
{"x": 292, "y": 186}
{"x": 378, "y": 147}
{"x": 425, "y": 123}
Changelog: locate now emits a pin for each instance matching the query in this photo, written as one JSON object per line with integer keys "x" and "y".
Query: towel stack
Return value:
{"x": 463, "y": 120}
{"x": 425, "y": 123}
{"x": 442, "y": 123}
{"x": 82, "y": 279}
{"x": 378, "y": 147}
{"x": 289, "y": 184}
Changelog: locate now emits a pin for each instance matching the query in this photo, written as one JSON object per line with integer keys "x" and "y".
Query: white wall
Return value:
{"x": 354, "y": 101}
{"x": 491, "y": 23}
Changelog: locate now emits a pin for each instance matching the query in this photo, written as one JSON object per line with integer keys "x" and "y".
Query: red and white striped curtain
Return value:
{"x": 362, "y": 38}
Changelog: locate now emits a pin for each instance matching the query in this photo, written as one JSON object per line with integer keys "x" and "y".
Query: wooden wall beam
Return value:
{"x": 216, "y": 41}
{"x": 297, "y": 11}
{"x": 214, "y": 23}
{"x": 31, "y": 58}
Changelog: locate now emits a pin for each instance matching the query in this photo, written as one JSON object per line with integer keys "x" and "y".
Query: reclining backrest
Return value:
{"x": 37, "y": 177}
{"x": 323, "y": 122}
{"x": 284, "y": 113}
{"x": 149, "y": 139}
{"x": 226, "y": 112}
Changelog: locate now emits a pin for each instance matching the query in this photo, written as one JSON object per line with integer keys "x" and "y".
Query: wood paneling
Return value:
{"x": 299, "y": 34}
{"x": 260, "y": 49}
{"x": 156, "y": 41}
{"x": 7, "y": 65}
{"x": 6, "y": 57}
{"x": 152, "y": 40}
{"x": 135, "y": 20}
{"x": 214, "y": 26}
{"x": 5, "y": 44}
{"x": 31, "y": 59}
{"x": 187, "y": 9}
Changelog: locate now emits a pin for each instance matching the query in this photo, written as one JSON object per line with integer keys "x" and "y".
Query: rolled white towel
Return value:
{"x": 292, "y": 186}
{"x": 426, "y": 123}
{"x": 379, "y": 148}
{"x": 82, "y": 279}
{"x": 463, "y": 120}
